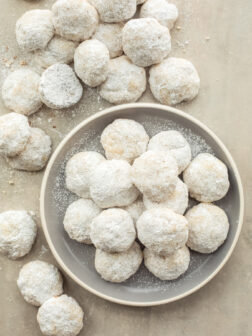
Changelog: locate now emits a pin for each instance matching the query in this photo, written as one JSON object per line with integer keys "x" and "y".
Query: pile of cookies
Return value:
{"x": 136, "y": 198}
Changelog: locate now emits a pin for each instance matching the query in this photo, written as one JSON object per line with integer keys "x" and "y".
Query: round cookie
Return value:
{"x": 208, "y": 227}
{"x": 14, "y": 133}
{"x": 173, "y": 142}
{"x": 20, "y": 92}
{"x": 78, "y": 172}
{"x": 118, "y": 267}
{"x": 135, "y": 209}
{"x": 169, "y": 267}
{"x": 177, "y": 201}
{"x": 78, "y": 218}
{"x": 155, "y": 174}
{"x": 34, "y": 29}
{"x": 38, "y": 281}
{"x": 111, "y": 184}
{"x": 60, "y": 316}
{"x": 17, "y": 233}
{"x": 163, "y": 11}
{"x": 162, "y": 230}
{"x": 91, "y": 60}
{"x": 74, "y": 20}
{"x": 146, "y": 41}
{"x": 111, "y": 35}
{"x": 113, "y": 230}
{"x": 58, "y": 50}
{"x": 206, "y": 178}
{"x": 174, "y": 80}
{"x": 124, "y": 139}
{"x": 35, "y": 154}
{"x": 59, "y": 87}
{"x": 125, "y": 83}
{"x": 115, "y": 10}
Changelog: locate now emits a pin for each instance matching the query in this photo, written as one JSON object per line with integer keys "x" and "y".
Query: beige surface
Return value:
{"x": 225, "y": 66}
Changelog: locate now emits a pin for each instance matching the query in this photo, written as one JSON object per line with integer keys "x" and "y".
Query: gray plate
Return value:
{"x": 78, "y": 259}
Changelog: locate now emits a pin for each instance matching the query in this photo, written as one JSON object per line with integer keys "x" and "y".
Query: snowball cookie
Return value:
{"x": 124, "y": 139}
{"x": 20, "y": 91}
{"x": 125, "y": 83}
{"x": 115, "y": 10}
{"x": 135, "y": 209}
{"x": 169, "y": 267}
{"x": 162, "y": 230}
{"x": 14, "y": 133}
{"x": 58, "y": 50}
{"x": 78, "y": 218}
{"x": 34, "y": 29}
{"x": 35, "y": 154}
{"x": 91, "y": 60}
{"x": 155, "y": 174}
{"x": 113, "y": 230}
{"x": 174, "y": 142}
{"x": 74, "y": 20}
{"x": 17, "y": 233}
{"x": 60, "y": 316}
{"x": 118, "y": 267}
{"x": 161, "y": 10}
{"x": 59, "y": 87}
{"x": 174, "y": 80}
{"x": 111, "y": 184}
{"x": 146, "y": 42}
{"x": 78, "y": 172}
{"x": 177, "y": 201}
{"x": 206, "y": 178}
{"x": 38, "y": 281}
{"x": 208, "y": 227}
{"x": 111, "y": 35}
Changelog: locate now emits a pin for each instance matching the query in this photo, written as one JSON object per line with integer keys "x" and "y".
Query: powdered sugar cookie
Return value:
{"x": 163, "y": 11}
{"x": 118, "y": 267}
{"x": 146, "y": 42}
{"x": 162, "y": 230}
{"x": 59, "y": 87}
{"x": 115, "y": 10}
{"x": 78, "y": 218}
{"x": 155, "y": 174}
{"x": 17, "y": 233}
{"x": 177, "y": 201}
{"x": 38, "y": 281}
{"x": 113, "y": 230}
{"x": 111, "y": 35}
{"x": 124, "y": 139}
{"x": 206, "y": 178}
{"x": 20, "y": 92}
{"x": 208, "y": 227}
{"x": 169, "y": 267}
{"x": 176, "y": 144}
{"x": 125, "y": 83}
{"x": 135, "y": 209}
{"x": 174, "y": 80}
{"x": 78, "y": 171}
{"x": 34, "y": 29}
{"x": 60, "y": 316}
{"x": 35, "y": 154}
{"x": 14, "y": 133}
{"x": 111, "y": 184}
{"x": 74, "y": 20}
{"x": 91, "y": 61}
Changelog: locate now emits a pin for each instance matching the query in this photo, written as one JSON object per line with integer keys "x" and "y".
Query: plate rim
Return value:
{"x": 106, "y": 112}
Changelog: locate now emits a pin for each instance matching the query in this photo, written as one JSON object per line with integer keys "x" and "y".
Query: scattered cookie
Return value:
{"x": 20, "y": 92}
{"x": 38, "y": 281}
{"x": 17, "y": 233}
{"x": 124, "y": 139}
{"x": 118, "y": 267}
{"x": 59, "y": 87}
